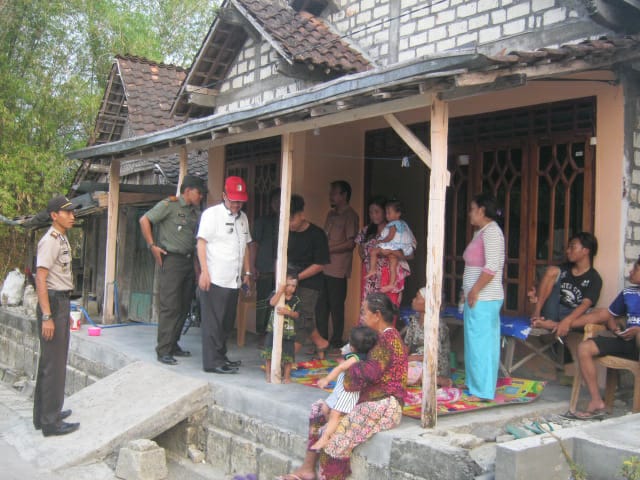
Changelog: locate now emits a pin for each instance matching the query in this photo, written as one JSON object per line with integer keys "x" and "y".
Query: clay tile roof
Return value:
{"x": 305, "y": 37}
{"x": 150, "y": 89}
{"x": 139, "y": 96}
{"x": 600, "y": 48}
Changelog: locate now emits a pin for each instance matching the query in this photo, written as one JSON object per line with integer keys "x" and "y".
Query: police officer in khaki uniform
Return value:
{"x": 54, "y": 284}
{"x": 176, "y": 220}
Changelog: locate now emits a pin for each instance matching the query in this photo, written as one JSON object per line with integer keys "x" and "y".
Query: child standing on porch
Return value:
{"x": 291, "y": 313}
{"x": 340, "y": 402}
{"x": 396, "y": 242}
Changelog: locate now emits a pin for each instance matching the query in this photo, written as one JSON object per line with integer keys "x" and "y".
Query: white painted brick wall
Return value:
{"x": 447, "y": 44}
{"x": 467, "y": 9}
{"x": 490, "y": 34}
{"x": 437, "y": 33}
{"x": 439, "y": 6}
{"x": 511, "y": 28}
{"x": 428, "y": 49}
{"x": 484, "y": 5}
{"x": 364, "y": 17}
{"x": 381, "y": 11}
{"x": 499, "y": 16}
{"x": 367, "y": 5}
{"x": 553, "y": 16}
{"x": 405, "y": 4}
{"x": 539, "y": 5}
{"x": 467, "y": 39}
{"x": 518, "y": 11}
{"x": 426, "y": 23}
{"x": 406, "y": 55}
{"x": 458, "y": 28}
{"x": 417, "y": 39}
{"x": 479, "y": 21}
{"x": 407, "y": 29}
{"x": 445, "y": 17}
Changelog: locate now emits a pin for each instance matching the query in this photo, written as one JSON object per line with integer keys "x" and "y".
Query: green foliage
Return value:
{"x": 55, "y": 59}
{"x": 631, "y": 468}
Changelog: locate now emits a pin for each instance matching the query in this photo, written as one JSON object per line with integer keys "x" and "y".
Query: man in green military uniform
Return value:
{"x": 54, "y": 284}
{"x": 176, "y": 221}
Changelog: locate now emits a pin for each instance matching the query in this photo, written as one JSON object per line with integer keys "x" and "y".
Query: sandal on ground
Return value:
{"x": 595, "y": 415}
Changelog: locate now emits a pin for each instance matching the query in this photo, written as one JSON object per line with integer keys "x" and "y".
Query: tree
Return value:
{"x": 55, "y": 58}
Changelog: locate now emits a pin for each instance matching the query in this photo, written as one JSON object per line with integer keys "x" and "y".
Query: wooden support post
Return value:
{"x": 435, "y": 253}
{"x": 184, "y": 163}
{"x": 112, "y": 235}
{"x": 283, "y": 241}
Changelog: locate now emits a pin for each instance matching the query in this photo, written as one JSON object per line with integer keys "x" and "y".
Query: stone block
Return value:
{"x": 218, "y": 448}
{"x": 517, "y": 11}
{"x": 195, "y": 454}
{"x": 499, "y": 16}
{"x": 539, "y": 5}
{"x": 458, "y": 28}
{"x": 484, "y": 5}
{"x": 511, "y": 28}
{"x": 467, "y": 9}
{"x": 142, "y": 460}
{"x": 434, "y": 458}
{"x": 272, "y": 464}
{"x": 446, "y": 16}
{"x": 554, "y": 16}
{"x": 243, "y": 456}
{"x": 468, "y": 39}
{"x": 447, "y": 44}
{"x": 478, "y": 22}
{"x": 437, "y": 33}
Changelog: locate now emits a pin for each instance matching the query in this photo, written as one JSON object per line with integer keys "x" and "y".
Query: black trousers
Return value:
{"x": 218, "y": 308}
{"x": 265, "y": 284}
{"x": 52, "y": 363}
{"x": 331, "y": 302}
{"x": 175, "y": 292}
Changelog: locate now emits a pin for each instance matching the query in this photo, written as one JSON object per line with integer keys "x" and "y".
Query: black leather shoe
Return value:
{"x": 229, "y": 363}
{"x": 63, "y": 414}
{"x": 167, "y": 360}
{"x": 222, "y": 369}
{"x": 61, "y": 428}
{"x": 179, "y": 352}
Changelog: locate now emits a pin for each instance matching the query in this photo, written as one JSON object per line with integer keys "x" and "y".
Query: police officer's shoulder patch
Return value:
{"x": 172, "y": 198}
{"x": 54, "y": 234}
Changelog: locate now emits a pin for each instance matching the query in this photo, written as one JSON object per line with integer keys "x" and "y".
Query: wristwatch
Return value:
{"x": 46, "y": 316}
{"x": 151, "y": 245}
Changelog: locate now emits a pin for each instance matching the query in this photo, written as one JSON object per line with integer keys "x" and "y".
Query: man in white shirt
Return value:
{"x": 224, "y": 261}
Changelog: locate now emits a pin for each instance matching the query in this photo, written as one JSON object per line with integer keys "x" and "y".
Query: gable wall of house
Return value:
{"x": 254, "y": 78}
{"x": 402, "y": 30}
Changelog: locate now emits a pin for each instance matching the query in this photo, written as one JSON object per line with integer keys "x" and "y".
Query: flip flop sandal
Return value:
{"x": 595, "y": 415}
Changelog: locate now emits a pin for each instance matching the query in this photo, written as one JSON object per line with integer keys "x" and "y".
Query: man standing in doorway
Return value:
{"x": 176, "y": 219}
{"x": 223, "y": 237}
{"x": 54, "y": 284}
{"x": 307, "y": 253}
{"x": 341, "y": 227}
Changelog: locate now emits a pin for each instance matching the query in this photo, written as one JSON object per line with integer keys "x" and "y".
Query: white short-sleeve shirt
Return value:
{"x": 227, "y": 236}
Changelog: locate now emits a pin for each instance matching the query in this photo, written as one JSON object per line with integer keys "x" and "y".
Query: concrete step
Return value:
{"x": 139, "y": 401}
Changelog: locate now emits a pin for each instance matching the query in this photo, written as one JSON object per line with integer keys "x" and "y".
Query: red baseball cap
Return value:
{"x": 236, "y": 189}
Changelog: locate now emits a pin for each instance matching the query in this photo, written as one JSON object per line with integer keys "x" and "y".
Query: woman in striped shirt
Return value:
{"x": 484, "y": 295}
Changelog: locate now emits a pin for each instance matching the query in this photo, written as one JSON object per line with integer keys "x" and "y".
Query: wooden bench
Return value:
{"x": 613, "y": 364}
{"x": 508, "y": 362}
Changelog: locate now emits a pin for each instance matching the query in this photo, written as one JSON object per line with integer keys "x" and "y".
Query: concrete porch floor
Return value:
{"x": 462, "y": 445}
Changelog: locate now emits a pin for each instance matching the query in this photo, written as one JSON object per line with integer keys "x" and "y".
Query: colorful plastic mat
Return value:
{"x": 450, "y": 400}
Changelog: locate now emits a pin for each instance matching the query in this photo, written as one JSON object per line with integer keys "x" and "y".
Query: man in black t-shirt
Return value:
{"x": 570, "y": 290}
{"x": 307, "y": 252}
